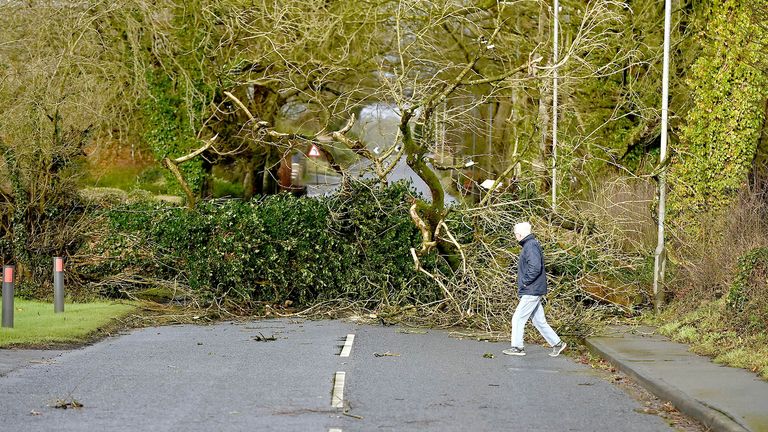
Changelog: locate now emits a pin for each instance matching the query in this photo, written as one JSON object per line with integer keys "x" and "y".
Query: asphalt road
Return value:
{"x": 204, "y": 378}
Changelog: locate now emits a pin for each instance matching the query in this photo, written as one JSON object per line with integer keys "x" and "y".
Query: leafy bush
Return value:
{"x": 223, "y": 188}
{"x": 721, "y": 290}
{"x": 41, "y": 216}
{"x": 747, "y": 297}
{"x": 722, "y": 132}
{"x": 353, "y": 245}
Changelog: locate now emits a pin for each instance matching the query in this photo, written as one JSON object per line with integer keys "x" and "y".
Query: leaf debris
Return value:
{"x": 64, "y": 404}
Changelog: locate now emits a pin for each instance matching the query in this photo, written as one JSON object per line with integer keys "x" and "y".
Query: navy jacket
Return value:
{"x": 531, "y": 275}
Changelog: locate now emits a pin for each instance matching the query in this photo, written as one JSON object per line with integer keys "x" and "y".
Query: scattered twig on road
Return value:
{"x": 479, "y": 335}
{"x": 386, "y": 354}
{"x": 346, "y": 413}
{"x": 261, "y": 338}
{"x": 408, "y": 331}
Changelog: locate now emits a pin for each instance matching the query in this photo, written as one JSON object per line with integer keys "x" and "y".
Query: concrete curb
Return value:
{"x": 709, "y": 416}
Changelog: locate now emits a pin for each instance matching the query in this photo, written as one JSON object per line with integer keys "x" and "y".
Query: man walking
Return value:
{"x": 532, "y": 285}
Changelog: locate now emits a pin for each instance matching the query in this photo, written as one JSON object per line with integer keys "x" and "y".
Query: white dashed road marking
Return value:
{"x": 347, "y": 346}
{"x": 337, "y": 400}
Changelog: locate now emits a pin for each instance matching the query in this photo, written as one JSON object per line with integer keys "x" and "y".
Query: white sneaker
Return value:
{"x": 515, "y": 351}
{"x": 557, "y": 349}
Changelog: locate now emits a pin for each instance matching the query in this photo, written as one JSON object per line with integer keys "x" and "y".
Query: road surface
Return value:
{"x": 222, "y": 377}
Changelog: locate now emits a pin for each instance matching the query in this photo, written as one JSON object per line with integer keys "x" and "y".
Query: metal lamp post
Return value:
{"x": 660, "y": 256}
{"x": 554, "y": 105}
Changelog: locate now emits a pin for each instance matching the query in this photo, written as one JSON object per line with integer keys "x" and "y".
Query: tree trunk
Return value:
{"x": 284, "y": 174}
{"x": 171, "y": 165}
{"x": 206, "y": 189}
{"x": 501, "y": 135}
{"x": 269, "y": 184}
{"x": 415, "y": 160}
{"x": 249, "y": 184}
{"x": 545, "y": 102}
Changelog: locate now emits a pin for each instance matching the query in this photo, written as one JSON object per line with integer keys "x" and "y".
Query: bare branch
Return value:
{"x": 201, "y": 150}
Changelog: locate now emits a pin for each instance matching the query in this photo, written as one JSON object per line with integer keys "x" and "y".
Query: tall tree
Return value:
{"x": 58, "y": 86}
{"x": 723, "y": 127}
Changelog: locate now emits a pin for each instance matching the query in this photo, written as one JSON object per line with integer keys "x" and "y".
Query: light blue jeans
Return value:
{"x": 530, "y": 308}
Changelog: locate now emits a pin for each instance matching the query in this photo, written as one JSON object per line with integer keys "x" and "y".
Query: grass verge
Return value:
{"x": 708, "y": 332}
{"x": 36, "y": 325}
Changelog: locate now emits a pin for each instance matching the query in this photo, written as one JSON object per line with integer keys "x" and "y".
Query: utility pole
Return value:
{"x": 660, "y": 254}
{"x": 554, "y": 107}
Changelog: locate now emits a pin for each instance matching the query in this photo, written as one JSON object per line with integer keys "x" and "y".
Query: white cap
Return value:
{"x": 523, "y": 228}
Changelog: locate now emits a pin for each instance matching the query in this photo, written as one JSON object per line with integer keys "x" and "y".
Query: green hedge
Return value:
{"x": 722, "y": 130}
{"x": 353, "y": 245}
{"x": 748, "y": 295}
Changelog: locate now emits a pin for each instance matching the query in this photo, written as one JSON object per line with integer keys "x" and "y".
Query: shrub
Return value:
{"x": 721, "y": 291}
{"x": 41, "y": 216}
{"x": 748, "y": 295}
{"x": 353, "y": 245}
{"x": 722, "y": 131}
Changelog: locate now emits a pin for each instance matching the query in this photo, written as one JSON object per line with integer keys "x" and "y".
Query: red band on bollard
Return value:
{"x": 8, "y": 275}
{"x": 59, "y": 264}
